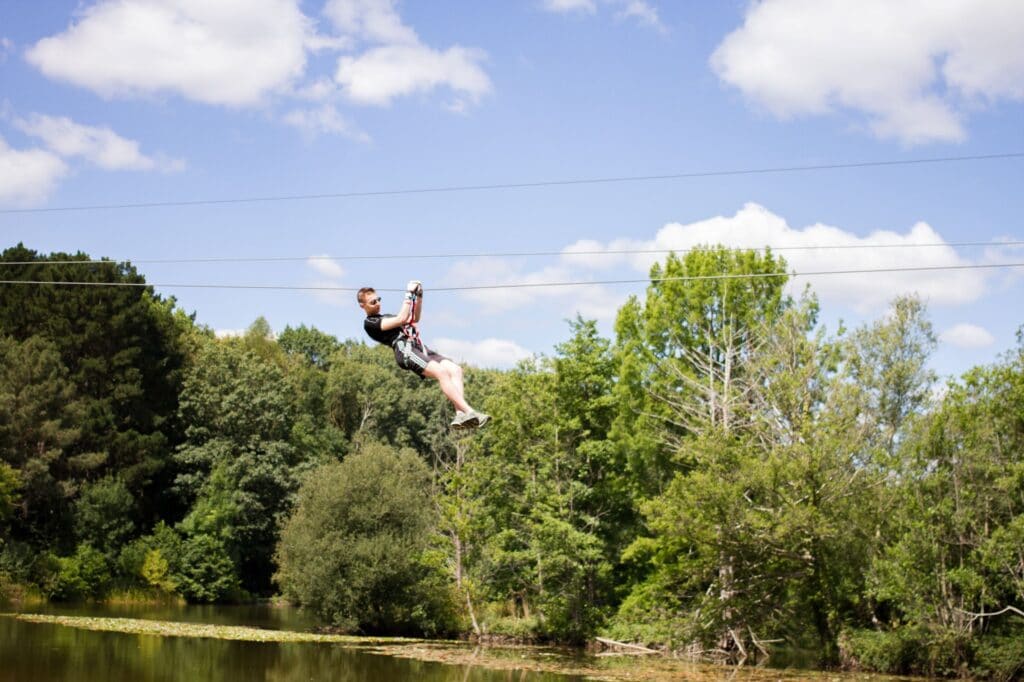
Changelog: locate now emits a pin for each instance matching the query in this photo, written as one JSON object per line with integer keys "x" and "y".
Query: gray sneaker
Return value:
{"x": 464, "y": 420}
{"x": 481, "y": 418}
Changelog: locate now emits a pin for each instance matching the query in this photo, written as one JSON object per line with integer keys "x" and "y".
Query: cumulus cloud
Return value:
{"x": 229, "y": 52}
{"x": 590, "y": 300}
{"x": 754, "y": 226}
{"x": 399, "y": 63}
{"x": 565, "y": 6}
{"x": 101, "y": 146}
{"x": 325, "y": 266}
{"x": 497, "y": 353}
{"x": 27, "y": 176}
{"x": 815, "y": 248}
{"x": 642, "y": 11}
{"x": 374, "y": 21}
{"x": 384, "y": 73}
{"x": 324, "y": 120}
{"x": 911, "y": 68}
{"x": 967, "y": 336}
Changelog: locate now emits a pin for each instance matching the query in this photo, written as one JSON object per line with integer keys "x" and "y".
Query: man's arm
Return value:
{"x": 402, "y": 318}
{"x": 419, "y": 308}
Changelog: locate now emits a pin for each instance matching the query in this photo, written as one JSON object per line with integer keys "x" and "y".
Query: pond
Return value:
{"x": 47, "y": 652}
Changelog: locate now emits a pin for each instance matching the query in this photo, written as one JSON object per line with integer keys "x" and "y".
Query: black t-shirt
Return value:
{"x": 372, "y": 326}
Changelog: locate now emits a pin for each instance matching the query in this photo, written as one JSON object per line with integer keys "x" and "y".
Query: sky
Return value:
{"x": 126, "y": 102}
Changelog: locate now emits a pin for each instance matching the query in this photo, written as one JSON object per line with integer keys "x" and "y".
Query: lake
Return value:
{"x": 44, "y": 652}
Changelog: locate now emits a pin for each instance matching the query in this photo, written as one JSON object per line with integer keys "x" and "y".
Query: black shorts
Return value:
{"x": 414, "y": 357}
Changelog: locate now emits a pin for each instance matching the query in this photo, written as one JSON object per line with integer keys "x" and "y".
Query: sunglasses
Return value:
{"x": 374, "y": 301}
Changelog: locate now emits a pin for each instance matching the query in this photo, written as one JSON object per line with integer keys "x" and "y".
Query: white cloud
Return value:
{"x": 756, "y": 227}
{"x": 229, "y": 52}
{"x": 6, "y": 47}
{"x": 400, "y": 64}
{"x": 28, "y": 176}
{"x": 967, "y": 336}
{"x": 374, "y": 21}
{"x": 101, "y": 146}
{"x": 643, "y": 12}
{"x": 229, "y": 333}
{"x": 383, "y": 73}
{"x": 326, "y": 267}
{"x": 324, "y": 120}
{"x": 589, "y": 300}
{"x": 499, "y": 353}
{"x": 565, "y": 6}
{"x": 912, "y": 68}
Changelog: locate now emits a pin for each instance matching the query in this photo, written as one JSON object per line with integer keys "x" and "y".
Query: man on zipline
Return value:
{"x": 400, "y": 332}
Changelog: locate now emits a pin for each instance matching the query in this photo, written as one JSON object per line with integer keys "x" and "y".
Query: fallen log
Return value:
{"x": 633, "y": 648}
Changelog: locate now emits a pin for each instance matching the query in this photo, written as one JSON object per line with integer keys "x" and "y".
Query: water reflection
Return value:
{"x": 48, "y": 653}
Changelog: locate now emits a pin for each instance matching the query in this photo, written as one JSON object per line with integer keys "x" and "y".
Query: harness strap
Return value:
{"x": 410, "y": 329}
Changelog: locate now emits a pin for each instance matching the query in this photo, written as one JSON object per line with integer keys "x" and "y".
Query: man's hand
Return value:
{"x": 414, "y": 286}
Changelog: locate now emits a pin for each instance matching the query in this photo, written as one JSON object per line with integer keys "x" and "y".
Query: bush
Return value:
{"x": 103, "y": 515}
{"x": 904, "y": 650}
{"x": 355, "y": 548}
{"x": 205, "y": 573}
{"x": 999, "y": 657}
{"x": 85, "y": 574}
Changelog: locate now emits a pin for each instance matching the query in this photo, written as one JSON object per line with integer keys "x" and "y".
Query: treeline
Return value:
{"x": 725, "y": 477}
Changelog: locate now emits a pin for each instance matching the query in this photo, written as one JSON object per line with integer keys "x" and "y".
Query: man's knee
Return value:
{"x": 454, "y": 371}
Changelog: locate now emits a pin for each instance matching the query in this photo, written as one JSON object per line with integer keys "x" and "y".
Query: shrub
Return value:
{"x": 355, "y": 548}
{"x": 999, "y": 657}
{"x": 85, "y": 574}
{"x": 204, "y": 572}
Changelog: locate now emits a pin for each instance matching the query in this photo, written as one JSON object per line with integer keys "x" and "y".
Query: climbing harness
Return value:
{"x": 410, "y": 339}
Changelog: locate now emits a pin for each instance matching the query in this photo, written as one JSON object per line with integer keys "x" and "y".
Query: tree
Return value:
{"x": 38, "y": 413}
{"x": 690, "y": 339}
{"x": 353, "y": 549}
{"x": 104, "y": 515}
{"x": 237, "y": 465}
{"x": 309, "y": 343}
{"x": 121, "y": 347}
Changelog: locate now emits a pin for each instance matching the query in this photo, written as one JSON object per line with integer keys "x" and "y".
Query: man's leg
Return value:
{"x": 451, "y": 388}
{"x": 455, "y": 372}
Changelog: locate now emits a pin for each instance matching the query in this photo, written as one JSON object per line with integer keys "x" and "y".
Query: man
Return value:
{"x": 399, "y": 332}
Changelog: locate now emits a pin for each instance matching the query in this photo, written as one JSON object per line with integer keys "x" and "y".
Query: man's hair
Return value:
{"x": 362, "y": 293}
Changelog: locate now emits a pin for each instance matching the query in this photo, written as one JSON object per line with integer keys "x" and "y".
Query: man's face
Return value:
{"x": 371, "y": 303}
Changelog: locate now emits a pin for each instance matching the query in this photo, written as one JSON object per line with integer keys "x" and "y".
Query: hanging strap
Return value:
{"x": 410, "y": 329}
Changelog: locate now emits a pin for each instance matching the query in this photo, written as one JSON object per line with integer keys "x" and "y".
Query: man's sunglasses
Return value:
{"x": 374, "y": 301}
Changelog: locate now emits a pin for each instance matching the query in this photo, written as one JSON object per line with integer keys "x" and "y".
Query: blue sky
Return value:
{"x": 138, "y": 101}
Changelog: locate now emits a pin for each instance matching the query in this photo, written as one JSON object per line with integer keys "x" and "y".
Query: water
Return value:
{"x": 34, "y": 652}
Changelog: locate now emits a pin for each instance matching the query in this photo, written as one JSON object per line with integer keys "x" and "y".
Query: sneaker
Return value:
{"x": 481, "y": 418}
{"x": 464, "y": 420}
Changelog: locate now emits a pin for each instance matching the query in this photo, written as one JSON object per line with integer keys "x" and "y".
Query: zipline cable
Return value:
{"x": 525, "y": 285}
{"x": 520, "y": 185}
{"x": 512, "y": 254}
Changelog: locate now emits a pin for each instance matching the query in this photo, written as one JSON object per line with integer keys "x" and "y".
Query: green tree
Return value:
{"x": 38, "y": 416}
{"x": 309, "y": 343}
{"x": 236, "y": 467}
{"x": 104, "y": 515}
{"x": 354, "y": 548}
{"x": 691, "y": 336}
{"x": 121, "y": 348}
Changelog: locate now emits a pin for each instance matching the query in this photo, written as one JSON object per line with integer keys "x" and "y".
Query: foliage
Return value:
{"x": 104, "y": 515}
{"x": 85, "y": 574}
{"x": 354, "y": 549}
{"x": 723, "y": 476}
